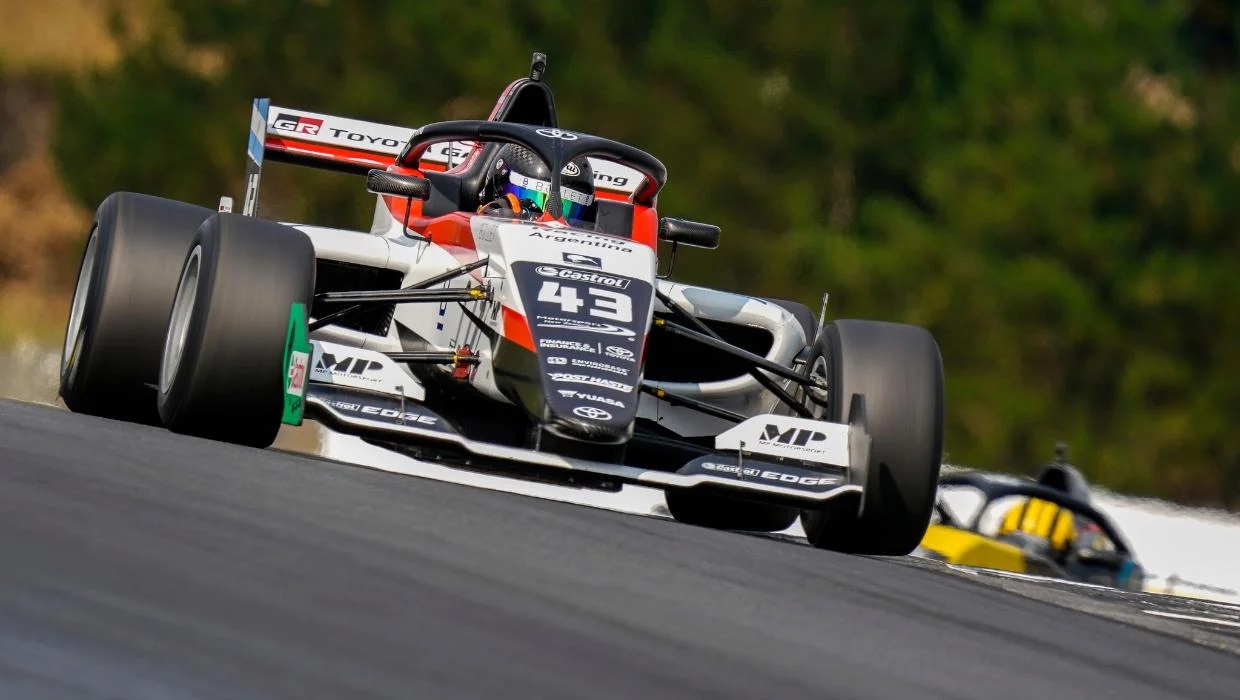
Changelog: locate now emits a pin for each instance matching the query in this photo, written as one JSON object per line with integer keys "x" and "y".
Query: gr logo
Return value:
{"x": 297, "y": 124}
{"x": 346, "y": 365}
{"x": 796, "y": 437}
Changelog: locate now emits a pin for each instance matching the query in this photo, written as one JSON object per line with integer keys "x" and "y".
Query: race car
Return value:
{"x": 531, "y": 334}
{"x": 1044, "y": 527}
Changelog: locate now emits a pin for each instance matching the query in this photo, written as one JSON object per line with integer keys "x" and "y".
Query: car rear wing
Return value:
{"x": 329, "y": 142}
{"x": 325, "y": 141}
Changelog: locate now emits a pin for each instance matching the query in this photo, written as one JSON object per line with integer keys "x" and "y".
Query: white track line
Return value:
{"x": 1193, "y": 618}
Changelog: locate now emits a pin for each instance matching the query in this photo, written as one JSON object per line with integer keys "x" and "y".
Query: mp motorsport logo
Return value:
{"x": 796, "y": 438}
{"x": 346, "y": 365}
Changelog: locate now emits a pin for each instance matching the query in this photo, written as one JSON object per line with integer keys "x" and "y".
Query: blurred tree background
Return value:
{"x": 1048, "y": 185}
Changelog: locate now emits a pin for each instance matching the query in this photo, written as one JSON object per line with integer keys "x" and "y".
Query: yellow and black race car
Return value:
{"x": 1045, "y": 527}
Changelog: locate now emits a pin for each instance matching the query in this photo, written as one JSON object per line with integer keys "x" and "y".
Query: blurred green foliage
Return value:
{"x": 1048, "y": 185}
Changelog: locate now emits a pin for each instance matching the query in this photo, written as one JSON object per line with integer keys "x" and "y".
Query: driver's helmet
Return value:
{"x": 522, "y": 181}
{"x": 1042, "y": 520}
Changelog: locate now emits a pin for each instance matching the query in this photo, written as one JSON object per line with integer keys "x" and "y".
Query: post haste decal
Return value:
{"x": 588, "y": 327}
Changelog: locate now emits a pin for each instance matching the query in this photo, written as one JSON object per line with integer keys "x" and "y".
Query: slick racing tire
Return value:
{"x": 898, "y": 370}
{"x": 222, "y": 374}
{"x": 127, "y": 279}
{"x": 722, "y": 513}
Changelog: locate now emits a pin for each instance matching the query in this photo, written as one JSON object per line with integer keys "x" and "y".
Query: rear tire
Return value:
{"x": 722, "y": 513}
{"x": 126, "y": 283}
{"x": 221, "y": 376}
{"x": 898, "y": 370}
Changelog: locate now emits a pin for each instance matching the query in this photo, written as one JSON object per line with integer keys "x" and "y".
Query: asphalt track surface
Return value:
{"x": 139, "y": 564}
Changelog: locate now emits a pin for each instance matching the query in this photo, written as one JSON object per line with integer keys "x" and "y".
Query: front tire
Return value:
{"x": 898, "y": 370}
{"x": 221, "y": 375}
{"x": 126, "y": 282}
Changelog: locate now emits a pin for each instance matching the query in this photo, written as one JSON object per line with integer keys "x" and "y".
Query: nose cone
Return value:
{"x": 591, "y": 431}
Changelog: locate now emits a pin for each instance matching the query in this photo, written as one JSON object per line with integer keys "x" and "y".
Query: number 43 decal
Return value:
{"x": 603, "y": 303}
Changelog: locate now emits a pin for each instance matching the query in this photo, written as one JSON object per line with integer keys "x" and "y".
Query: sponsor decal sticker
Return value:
{"x": 297, "y": 366}
{"x": 764, "y": 474}
{"x": 370, "y": 411}
{"x": 620, "y": 353}
{"x": 790, "y": 437}
{"x": 573, "y": 324}
{"x": 610, "y": 181}
{"x": 585, "y": 396}
{"x": 591, "y": 413}
{"x": 344, "y": 366}
{"x": 579, "y": 259}
{"x": 557, "y": 134}
{"x": 594, "y": 364}
{"x": 558, "y": 344}
{"x": 297, "y": 124}
{"x": 571, "y": 170}
{"x": 557, "y": 360}
{"x": 365, "y": 139}
{"x": 567, "y": 273}
{"x": 571, "y": 378}
{"x": 794, "y": 438}
{"x": 578, "y": 238}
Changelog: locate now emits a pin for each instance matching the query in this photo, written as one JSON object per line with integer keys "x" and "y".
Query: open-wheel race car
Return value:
{"x": 1048, "y": 526}
{"x": 505, "y": 312}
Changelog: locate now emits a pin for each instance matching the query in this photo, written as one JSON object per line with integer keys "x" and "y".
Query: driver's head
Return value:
{"x": 1043, "y": 520}
{"x": 523, "y": 180}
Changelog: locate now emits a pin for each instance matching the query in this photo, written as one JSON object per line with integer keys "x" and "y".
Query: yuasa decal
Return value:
{"x": 585, "y": 396}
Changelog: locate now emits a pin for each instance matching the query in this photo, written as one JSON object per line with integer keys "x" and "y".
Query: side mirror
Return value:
{"x": 407, "y": 186}
{"x": 688, "y": 232}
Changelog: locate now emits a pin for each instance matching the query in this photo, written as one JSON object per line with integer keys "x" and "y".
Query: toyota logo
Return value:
{"x": 556, "y": 134}
{"x": 592, "y": 413}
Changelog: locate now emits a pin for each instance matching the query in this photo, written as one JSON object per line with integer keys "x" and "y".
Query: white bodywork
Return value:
{"x": 446, "y": 327}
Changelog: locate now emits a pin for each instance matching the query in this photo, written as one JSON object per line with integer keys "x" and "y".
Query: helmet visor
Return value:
{"x": 534, "y": 193}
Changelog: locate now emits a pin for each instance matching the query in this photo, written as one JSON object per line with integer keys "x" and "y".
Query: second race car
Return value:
{"x": 1046, "y": 526}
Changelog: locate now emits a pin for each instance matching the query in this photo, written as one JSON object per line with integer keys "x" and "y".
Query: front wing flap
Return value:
{"x": 402, "y": 421}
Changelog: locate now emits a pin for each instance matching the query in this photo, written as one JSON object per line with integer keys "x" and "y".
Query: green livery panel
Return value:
{"x": 297, "y": 351}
